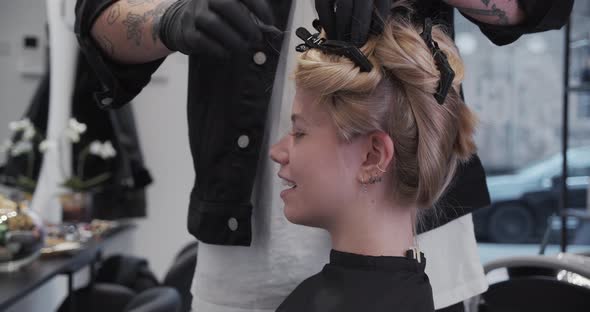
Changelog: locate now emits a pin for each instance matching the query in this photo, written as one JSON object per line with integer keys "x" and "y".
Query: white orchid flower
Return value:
{"x": 108, "y": 151}
{"x": 26, "y": 123}
{"x": 6, "y": 146}
{"x": 76, "y": 126}
{"x": 20, "y": 125}
{"x": 72, "y": 135}
{"x": 29, "y": 133}
{"x": 21, "y": 148}
{"x": 46, "y": 145}
{"x": 14, "y": 126}
{"x": 96, "y": 148}
{"x": 81, "y": 128}
{"x": 103, "y": 150}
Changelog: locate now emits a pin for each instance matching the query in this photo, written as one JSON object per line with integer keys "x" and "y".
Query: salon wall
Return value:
{"x": 20, "y": 68}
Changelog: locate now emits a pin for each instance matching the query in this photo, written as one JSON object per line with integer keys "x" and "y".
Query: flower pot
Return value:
{"x": 76, "y": 206}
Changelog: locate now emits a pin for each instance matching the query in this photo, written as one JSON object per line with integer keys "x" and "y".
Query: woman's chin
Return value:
{"x": 288, "y": 214}
{"x": 293, "y": 215}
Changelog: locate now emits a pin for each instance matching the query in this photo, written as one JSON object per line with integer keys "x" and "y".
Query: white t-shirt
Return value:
{"x": 259, "y": 277}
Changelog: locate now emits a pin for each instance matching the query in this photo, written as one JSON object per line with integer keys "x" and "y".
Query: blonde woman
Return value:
{"x": 370, "y": 148}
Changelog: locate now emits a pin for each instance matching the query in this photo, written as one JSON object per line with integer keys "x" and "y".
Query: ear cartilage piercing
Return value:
{"x": 384, "y": 171}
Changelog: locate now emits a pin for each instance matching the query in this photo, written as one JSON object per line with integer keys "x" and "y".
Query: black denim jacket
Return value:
{"x": 227, "y": 107}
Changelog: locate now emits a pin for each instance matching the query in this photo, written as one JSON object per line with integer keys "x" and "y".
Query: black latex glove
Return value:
{"x": 213, "y": 27}
{"x": 352, "y": 20}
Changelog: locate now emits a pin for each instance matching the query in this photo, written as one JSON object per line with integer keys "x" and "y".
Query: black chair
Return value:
{"x": 159, "y": 299}
{"x": 121, "y": 279}
{"x": 539, "y": 284}
{"x": 180, "y": 275}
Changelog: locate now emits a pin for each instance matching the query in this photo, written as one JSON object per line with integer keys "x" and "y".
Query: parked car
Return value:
{"x": 524, "y": 201}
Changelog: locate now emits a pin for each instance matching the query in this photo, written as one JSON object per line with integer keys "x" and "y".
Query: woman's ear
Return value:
{"x": 378, "y": 155}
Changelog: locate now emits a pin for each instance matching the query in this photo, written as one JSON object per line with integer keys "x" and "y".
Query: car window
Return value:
{"x": 578, "y": 171}
{"x": 544, "y": 168}
{"x": 578, "y": 164}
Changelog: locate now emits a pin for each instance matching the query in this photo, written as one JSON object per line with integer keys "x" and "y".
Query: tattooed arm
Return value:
{"x": 498, "y": 12}
{"x": 128, "y": 30}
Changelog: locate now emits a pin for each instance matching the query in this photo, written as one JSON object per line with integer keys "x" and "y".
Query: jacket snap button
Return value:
{"x": 232, "y": 223}
{"x": 259, "y": 58}
{"x": 243, "y": 141}
{"x": 106, "y": 101}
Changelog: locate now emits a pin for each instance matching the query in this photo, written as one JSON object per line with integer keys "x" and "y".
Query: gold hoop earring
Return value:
{"x": 384, "y": 171}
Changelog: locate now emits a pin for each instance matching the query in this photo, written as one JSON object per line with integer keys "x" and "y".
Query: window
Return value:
{"x": 517, "y": 92}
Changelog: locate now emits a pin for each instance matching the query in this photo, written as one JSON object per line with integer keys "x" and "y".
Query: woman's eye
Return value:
{"x": 297, "y": 134}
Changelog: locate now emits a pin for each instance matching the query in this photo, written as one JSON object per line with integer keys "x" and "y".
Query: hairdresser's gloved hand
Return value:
{"x": 213, "y": 27}
{"x": 352, "y": 20}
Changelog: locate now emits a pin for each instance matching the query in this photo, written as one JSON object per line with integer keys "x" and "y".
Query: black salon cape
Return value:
{"x": 353, "y": 282}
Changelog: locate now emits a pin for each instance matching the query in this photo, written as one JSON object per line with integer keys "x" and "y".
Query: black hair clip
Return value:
{"x": 332, "y": 46}
{"x": 447, "y": 74}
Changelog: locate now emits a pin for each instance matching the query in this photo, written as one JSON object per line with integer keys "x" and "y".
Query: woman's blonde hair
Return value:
{"x": 397, "y": 97}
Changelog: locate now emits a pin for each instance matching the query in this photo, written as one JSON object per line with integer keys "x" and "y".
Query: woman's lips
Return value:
{"x": 287, "y": 191}
{"x": 286, "y": 182}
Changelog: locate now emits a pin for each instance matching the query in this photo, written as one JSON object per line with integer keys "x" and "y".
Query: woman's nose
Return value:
{"x": 278, "y": 153}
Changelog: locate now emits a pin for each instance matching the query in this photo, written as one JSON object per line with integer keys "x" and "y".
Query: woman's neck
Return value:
{"x": 379, "y": 230}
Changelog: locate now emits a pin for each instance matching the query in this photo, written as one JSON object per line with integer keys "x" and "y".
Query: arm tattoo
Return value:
{"x": 134, "y": 23}
{"x": 107, "y": 45}
{"x": 114, "y": 14}
{"x": 495, "y": 11}
{"x": 157, "y": 14}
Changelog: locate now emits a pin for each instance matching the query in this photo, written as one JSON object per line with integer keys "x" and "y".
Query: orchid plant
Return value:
{"x": 25, "y": 143}
{"x": 25, "y": 135}
{"x": 78, "y": 182}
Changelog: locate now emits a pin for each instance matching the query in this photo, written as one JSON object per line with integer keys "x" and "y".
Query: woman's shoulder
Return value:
{"x": 349, "y": 290}
{"x": 302, "y": 297}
